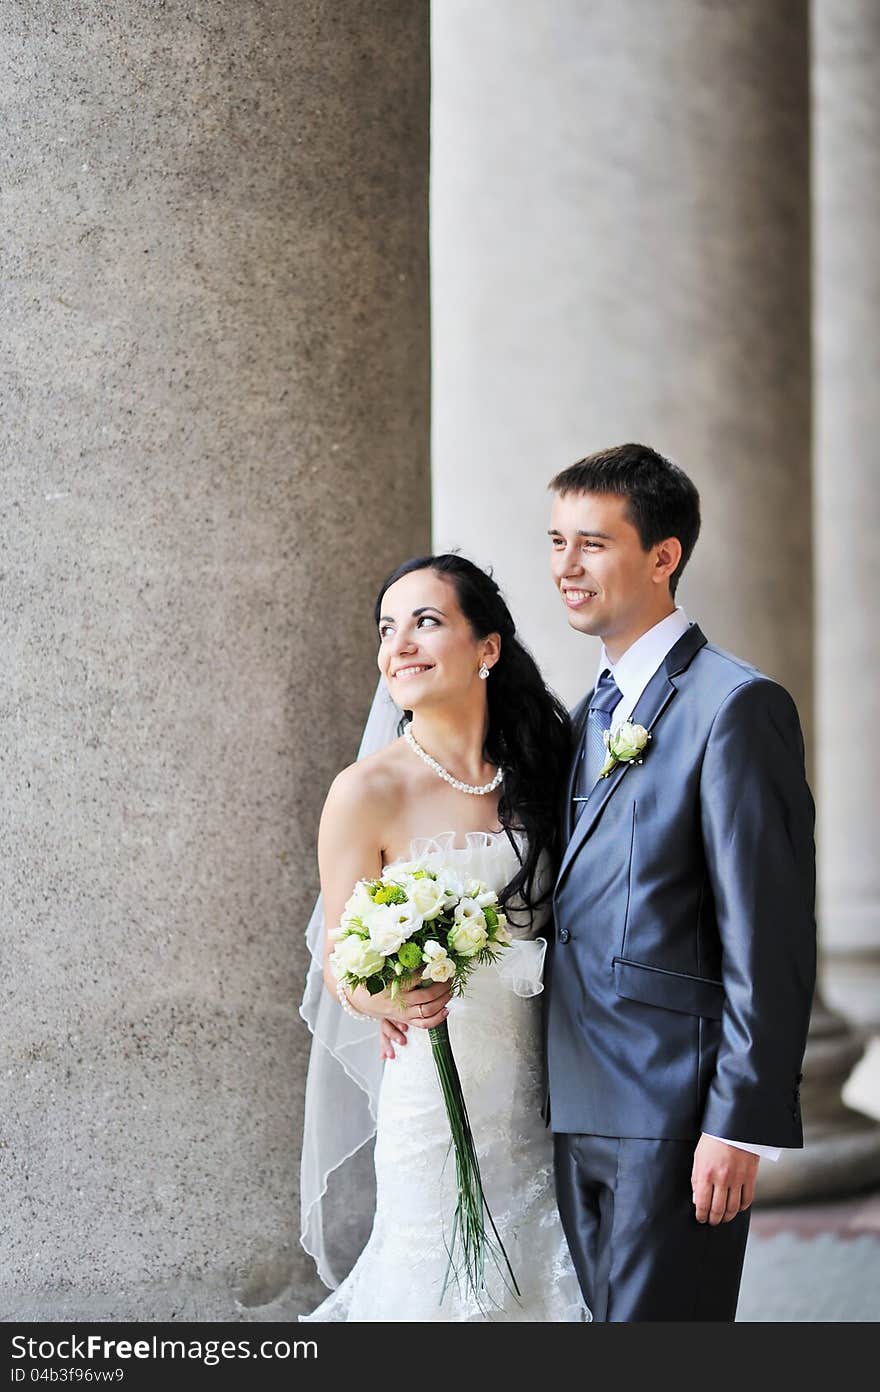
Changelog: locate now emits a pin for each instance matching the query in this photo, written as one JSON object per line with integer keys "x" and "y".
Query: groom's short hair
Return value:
{"x": 661, "y": 499}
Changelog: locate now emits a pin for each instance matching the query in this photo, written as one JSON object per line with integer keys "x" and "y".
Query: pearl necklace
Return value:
{"x": 445, "y": 774}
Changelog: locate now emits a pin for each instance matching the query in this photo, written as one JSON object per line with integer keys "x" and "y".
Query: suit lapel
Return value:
{"x": 648, "y": 710}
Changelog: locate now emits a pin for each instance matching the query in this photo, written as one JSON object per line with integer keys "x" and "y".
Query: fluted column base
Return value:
{"x": 841, "y": 1153}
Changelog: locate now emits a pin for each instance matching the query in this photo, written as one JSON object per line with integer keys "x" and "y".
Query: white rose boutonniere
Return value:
{"x": 626, "y": 746}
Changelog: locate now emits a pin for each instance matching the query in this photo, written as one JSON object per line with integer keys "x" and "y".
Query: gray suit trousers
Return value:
{"x": 640, "y": 1254}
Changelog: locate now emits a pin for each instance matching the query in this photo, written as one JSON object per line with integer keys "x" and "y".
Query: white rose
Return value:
{"x": 356, "y": 956}
{"x": 443, "y": 969}
{"x": 502, "y": 932}
{"x": 427, "y": 898}
{"x": 469, "y": 937}
{"x": 628, "y": 741}
{"x": 480, "y": 893}
{"x": 386, "y": 937}
{"x": 439, "y": 966}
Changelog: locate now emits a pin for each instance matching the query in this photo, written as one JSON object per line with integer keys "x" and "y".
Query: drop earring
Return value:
{"x": 484, "y": 672}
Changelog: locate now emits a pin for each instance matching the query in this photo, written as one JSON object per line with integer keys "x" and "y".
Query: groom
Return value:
{"x": 684, "y": 957}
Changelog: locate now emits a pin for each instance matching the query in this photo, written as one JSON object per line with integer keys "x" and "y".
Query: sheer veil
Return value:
{"x": 345, "y": 1070}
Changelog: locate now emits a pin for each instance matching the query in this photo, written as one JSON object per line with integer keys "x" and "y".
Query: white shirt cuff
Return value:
{"x": 766, "y": 1152}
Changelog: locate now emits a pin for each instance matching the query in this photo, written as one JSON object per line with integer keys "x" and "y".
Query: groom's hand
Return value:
{"x": 723, "y": 1180}
{"x": 391, "y": 1032}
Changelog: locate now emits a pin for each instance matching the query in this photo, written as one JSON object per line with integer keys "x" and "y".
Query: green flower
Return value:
{"x": 388, "y": 894}
{"x": 409, "y": 955}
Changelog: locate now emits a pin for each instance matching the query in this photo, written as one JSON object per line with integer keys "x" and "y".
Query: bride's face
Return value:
{"x": 427, "y": 649}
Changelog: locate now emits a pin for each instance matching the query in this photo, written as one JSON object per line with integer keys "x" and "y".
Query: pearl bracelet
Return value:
{"x": 345, "y": 1002}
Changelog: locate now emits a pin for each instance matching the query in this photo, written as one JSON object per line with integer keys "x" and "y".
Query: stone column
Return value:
{"x": 598, "y": 278}
{"x": 846, "y": 202}
{"x": 621, "y": 250}
{"x": 215, "y": 363}
{"x": 847, "y": 289}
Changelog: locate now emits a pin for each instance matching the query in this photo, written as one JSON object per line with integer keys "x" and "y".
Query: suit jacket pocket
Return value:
{"x": 692, "y": 995}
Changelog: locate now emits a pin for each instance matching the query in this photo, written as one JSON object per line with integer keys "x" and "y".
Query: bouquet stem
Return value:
{"x": 470, "y": 1241}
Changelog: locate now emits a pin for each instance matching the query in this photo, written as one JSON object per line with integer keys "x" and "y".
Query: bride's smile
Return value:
{"x": 403, "y": 673}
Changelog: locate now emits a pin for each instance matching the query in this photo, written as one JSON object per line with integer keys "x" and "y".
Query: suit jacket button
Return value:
{"x": 564, "y": 935}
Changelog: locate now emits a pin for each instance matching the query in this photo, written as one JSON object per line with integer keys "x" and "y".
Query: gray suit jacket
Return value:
{"x": 683, "y": 967}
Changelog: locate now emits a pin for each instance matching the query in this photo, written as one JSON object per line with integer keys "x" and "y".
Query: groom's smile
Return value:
{"x": 576, "y": 598}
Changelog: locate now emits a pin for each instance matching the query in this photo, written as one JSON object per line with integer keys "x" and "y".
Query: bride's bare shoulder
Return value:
{"x": 372, "y": 785}
{"x": 354, "y": 827}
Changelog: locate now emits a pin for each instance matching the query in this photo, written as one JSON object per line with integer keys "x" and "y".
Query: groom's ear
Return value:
{"x": 667, "y": 555}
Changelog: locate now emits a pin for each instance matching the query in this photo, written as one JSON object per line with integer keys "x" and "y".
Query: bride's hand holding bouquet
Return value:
{"x": 418, "y": 932}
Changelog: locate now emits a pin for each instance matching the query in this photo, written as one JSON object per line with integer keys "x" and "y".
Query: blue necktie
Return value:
{"x": 593, "y": 752}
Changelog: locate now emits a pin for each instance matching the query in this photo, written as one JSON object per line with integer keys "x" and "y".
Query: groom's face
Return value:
{"x": 598, "y": 565}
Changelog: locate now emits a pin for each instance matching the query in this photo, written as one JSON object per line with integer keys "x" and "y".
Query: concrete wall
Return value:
{"x": 215, "y": 416}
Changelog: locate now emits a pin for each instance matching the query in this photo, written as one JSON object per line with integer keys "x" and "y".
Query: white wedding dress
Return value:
{"x": 496, "y": 1038}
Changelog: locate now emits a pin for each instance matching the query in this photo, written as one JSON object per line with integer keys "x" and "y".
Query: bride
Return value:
{"x": 474, "y": 780}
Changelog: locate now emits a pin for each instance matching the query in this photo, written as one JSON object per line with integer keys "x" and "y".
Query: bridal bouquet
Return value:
{"x": 425, "y": 922}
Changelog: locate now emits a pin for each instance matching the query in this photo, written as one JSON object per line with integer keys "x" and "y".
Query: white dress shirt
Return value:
{"x": 632, "y": 672}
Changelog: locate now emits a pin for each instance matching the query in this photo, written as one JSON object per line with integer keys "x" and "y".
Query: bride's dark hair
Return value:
{"x": 529, "y": 730}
